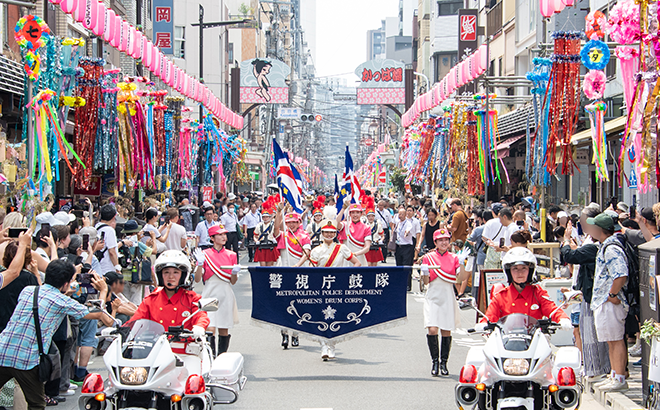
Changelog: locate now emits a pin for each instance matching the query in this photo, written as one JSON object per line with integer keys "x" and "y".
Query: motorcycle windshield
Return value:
{"x": 517, "y": 331}
{"x": 141, "y": 339}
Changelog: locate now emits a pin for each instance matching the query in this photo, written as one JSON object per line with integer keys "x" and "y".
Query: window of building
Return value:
{"x": 149, "y": 9}
{"x": 230, "y": 52}
{"x": 449, "y": 8}
{"x": 180, "y": 41}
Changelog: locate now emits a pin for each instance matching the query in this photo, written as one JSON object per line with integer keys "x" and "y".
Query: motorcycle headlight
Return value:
{"x": 516, "y": 367}
{"x": 133, "y": 375}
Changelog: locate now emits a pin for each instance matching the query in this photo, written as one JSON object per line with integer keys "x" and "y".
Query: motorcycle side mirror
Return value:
{"x": 208, "y": 304}
{"x": 466, "y": 303}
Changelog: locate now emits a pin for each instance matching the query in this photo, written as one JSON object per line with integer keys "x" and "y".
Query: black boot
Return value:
{"x": 223, "y": 344}
{"x": 444, "y": 354}
{"x": 213, "y": 346}
{"x": 294, "y": 341}
{"x": 285, "y": 340}
{"x": 434, "y": 350}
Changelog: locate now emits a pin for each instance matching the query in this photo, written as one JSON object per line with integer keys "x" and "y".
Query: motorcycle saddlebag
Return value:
{"x": 227, "y": 370}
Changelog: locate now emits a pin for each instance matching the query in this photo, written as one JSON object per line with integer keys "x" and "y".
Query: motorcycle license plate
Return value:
{"x": 515, "y": 403}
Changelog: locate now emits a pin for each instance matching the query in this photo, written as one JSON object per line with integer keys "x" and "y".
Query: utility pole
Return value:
{"x": 202, "y": 26}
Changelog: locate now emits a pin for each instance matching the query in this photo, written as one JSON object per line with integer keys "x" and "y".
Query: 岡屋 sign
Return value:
{"x": 163, "y": 25}
{"x": 382, "y": 82}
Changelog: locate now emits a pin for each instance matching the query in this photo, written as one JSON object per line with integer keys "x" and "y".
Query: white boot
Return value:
{"x": 325, "y": 351}
{"x": 331, "y": 351}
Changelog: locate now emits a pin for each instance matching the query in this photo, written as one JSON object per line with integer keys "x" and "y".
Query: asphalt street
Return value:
{"x": 384, "y": 370}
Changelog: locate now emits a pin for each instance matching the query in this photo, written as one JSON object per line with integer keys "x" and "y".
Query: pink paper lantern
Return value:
{"x": 89, "y": 21}
{"x": 547, "y": 8}
{"x": 56, "y": 1}
{"x": 137, "y": 47}
{"x": 79, "y": 11}
{"x": 125, "y": 30}
{"x": 170, "y": 73}
{"x": 466, "y": 71}
{"x": 130, "y": 41}
{"x": 186, "y": 81}
{"x": 109, "y": 22}
{"x": 69, "y": 5}
{"x": 116, "y": 34}
{"x": 451, "y": 80}
{"x": 100, "y": 19}
{"x": 157, "y": 64}
{"x": 559, "y": 5}
{"x": 146, "y": 54}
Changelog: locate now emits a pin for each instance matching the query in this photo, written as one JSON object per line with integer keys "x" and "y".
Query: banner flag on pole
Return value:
{"x": 290, "y": 186}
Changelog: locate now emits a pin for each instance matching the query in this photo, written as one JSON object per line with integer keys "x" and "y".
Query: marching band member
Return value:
{"x": 440, "y": 306}
{"x": 354, "y": 233}
{"x": 263, "y": 233}
{"x": 314, "y": 227}
{"x": 294, "y": 246}
{"x": 331, "y": 254}
{"x": 375, "y": 254}
{"x": 217, "y": 284}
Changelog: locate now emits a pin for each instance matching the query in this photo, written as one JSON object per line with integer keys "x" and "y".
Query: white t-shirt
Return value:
{"x": 110, "y": 238}
{"x": 492, "y": 230}
{"x": 173, "y": 241}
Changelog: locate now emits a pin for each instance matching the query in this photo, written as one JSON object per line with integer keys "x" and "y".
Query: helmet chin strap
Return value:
{"x": 522, "y": 285}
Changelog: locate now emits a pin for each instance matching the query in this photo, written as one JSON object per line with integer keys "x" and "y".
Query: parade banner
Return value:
{"x": 329, "y": 303}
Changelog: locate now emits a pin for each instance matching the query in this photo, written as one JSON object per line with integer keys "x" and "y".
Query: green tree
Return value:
{"x": 245, "y": 10}
{"x": 398, "y": 179}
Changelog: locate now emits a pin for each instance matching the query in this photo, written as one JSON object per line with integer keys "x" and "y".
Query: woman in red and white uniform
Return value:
{"x": 374, "y": 255}
{"x": 440, "y": 306}
{"x": 330, "y": 254}
{"x": 354, "y": 233}
{"x": 294, "y": 243}
{"x": 217, "y": 284}
{"x": 294, "y": 247}
{"x": 263, "y": 233}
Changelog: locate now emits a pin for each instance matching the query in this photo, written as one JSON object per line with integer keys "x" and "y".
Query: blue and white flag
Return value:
{"x": 288, "y": 179}
{"x": 329, "y": 303}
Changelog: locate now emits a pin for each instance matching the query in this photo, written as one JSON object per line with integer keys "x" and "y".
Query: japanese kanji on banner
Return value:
{"x": 163, "y": 25}
{"x": 329, "y": 303}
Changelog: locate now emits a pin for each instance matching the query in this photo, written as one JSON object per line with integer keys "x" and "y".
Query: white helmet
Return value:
{"x": 519, "y": 256}
{"x": 174, "y": 259}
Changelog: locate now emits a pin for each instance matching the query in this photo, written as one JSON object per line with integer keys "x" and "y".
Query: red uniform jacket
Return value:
{"x": 533, "y": 301}
{"x": 172, "y": 311}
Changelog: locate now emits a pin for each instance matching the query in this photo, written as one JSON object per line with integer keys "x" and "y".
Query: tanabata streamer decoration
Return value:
{"x": 33, "y": 26}
{"x": 564, "y": 99}
{"x": 596, "y": 113}
{"x": 487, "y": 139}
{"x": 623, "y": 22}
{"x": 49, "y": 139}
{"x": 537, "y": 143}
{"x": 105, "y": 146}
{"x": 89, "y": 88}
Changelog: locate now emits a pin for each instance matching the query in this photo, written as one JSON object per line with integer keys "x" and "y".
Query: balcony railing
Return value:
{"x": 494, "y": 19}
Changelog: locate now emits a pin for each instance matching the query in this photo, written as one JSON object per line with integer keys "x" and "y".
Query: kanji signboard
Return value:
{"x": 467, "y": 32}
{"x": 163, "y": 25}
{"x": 381, "y": 82}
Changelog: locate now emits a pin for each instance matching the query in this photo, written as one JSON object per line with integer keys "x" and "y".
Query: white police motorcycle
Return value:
{"x": 516, "y": 368}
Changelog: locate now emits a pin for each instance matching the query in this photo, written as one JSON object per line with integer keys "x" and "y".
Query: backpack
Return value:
{"x": 631, "y": 289}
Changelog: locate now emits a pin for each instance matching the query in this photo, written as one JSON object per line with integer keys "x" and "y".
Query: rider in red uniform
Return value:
{"x": 521, "y": 296}
{"x": 172, "y": 303}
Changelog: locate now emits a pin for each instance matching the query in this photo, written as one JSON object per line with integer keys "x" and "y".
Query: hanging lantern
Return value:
{"x": 99, "y": 27}
{"x": 79, "y": 11}
{"x": 109, "y": 22}
{"x": 558, "y": 5}
{"x": 69, "y": 5}
{"x": 547, "y": 8}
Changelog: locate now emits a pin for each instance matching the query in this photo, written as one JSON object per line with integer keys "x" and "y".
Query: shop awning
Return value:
{"x": 12, "y": 78}
{"x": 503, "y": 147}
{"x": 613, "y": 126}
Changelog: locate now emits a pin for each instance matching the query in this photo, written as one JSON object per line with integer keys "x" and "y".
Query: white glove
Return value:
{"x": 425, "y": 270}
{"x": 565, "y": 324}
{"x": 235, "y": 270}
{"x": 199, "y": 332}
{"x": 199, "y": 255}
{"x": 480, "y": 327}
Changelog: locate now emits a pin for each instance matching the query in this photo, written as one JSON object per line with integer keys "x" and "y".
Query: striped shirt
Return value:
{"x": 18, "y": 342}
